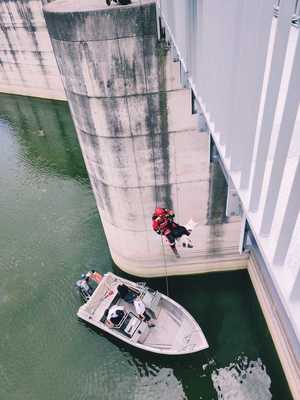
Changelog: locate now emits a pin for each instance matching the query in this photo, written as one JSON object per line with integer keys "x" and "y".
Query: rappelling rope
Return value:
{"x": 153, "y": 157}
{"x": 165, "y": 265}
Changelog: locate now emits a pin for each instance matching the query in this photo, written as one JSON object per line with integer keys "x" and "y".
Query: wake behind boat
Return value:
{"x": 172, "y": 330}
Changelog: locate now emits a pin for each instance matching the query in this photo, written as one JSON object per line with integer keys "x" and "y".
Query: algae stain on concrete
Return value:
{"x": 160, "y": 142}
{"x": 217, "y": 196}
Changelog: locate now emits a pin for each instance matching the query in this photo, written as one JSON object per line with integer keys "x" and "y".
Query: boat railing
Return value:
{"x": 296, "y": 15}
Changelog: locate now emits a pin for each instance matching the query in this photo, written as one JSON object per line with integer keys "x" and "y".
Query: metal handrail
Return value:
{"x": 296, "y": 16}
{"x": 295, "y": 21}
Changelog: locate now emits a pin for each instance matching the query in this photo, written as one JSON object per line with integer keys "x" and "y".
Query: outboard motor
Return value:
{"x": 84, "y": 288}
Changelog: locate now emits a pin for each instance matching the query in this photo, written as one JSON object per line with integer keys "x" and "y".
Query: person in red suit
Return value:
{"x": 163, "y": 224}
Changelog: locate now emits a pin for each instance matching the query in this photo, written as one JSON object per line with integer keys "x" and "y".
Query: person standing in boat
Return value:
{"x": 163, "y": 224}
{"x": 140, "y": 309}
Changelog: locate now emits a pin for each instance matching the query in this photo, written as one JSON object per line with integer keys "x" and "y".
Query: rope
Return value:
{"x": 153, "y": 156}
{"x": 165, "y": 265}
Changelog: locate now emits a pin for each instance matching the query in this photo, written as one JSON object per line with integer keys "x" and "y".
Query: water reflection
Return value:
{"x": 45, "y": 130}
{"x": 161, "y": 384}
{"x": 242, "y": 380}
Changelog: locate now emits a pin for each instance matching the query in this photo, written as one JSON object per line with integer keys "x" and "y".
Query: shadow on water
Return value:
{"x": 241, "y": 362}
{"x": 46, "y": 131}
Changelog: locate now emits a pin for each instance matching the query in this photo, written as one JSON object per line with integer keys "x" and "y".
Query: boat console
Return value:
{"x": 130, "y": 324}
{"x": 134, "y": 328}
{"x": 151, "y": 299}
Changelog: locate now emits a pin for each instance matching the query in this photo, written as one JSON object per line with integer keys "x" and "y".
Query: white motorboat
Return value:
{"x": 174, "y": 331}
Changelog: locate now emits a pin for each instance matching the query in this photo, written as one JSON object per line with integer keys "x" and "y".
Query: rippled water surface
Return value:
{"x": 50, "y": 232}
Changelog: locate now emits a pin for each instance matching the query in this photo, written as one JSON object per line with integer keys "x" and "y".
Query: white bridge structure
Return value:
{"x": 241, "y": 60}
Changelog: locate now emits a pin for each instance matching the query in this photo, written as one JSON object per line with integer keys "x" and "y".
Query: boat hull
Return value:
{"x": 175, "y": 332}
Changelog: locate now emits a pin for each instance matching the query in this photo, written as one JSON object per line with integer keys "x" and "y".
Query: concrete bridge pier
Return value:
{"x": 138, "y": 136}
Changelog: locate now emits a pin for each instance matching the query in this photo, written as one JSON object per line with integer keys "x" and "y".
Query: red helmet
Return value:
{"x": 159, "y": 211}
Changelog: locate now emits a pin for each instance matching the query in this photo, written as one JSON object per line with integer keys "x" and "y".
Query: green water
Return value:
{"x": 50, "y": 232}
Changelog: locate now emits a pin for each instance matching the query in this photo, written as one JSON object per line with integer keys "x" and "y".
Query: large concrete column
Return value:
{"x": 133, "y": 119}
